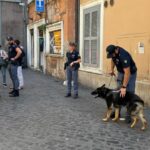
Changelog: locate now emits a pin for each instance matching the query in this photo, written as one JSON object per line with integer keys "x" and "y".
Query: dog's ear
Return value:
{"x": 103, "y": 85}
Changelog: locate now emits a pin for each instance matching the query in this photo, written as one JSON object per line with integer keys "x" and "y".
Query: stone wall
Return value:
{"x": 33, "y": 15}
{"x": 55, "y": 66}
{"x": 60, "y": 10}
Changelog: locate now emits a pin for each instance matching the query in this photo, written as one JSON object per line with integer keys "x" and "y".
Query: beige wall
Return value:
{"x": 86, "y": 1}
{"x": 125, "y": 24}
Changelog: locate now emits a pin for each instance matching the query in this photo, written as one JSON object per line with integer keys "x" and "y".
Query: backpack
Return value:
{"x": 23, "y": 52}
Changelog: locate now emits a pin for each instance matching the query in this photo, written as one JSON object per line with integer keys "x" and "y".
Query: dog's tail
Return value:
{"x": 136, "y": 107}
{"x": 132, "y": 108}
{"x": 141, "y": 102}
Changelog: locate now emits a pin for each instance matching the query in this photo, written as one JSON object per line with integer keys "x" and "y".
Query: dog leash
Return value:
{"x": 110, "y": 81}
{"x": 115, "y": 78}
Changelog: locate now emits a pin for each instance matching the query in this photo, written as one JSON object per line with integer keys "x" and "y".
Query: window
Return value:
{"x": 55, "y": 42}
{"x": 54, "y": 39}
{"x": 91, "y": 36}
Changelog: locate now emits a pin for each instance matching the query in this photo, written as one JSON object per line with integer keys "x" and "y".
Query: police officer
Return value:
{"x": 127, "y": 70}
{"x": 13, "y": 55}
{"x": 72, "y": 66}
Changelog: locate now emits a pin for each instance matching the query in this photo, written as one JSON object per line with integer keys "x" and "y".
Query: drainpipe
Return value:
{"x": 46, "y": 12}
{"x": 23, "y": 4}
{"x": 0, "y": 22}
{"x": 44, "y": 35}
{"x": 25, "y": 29}
{"x": 77, "y": 21}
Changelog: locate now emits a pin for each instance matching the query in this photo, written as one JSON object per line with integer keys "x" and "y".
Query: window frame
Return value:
{"x": 51, "y": 28}
{"x": 54, "y": 45}
{"x": 89, "y": 68}
{"x": 90, "y": 10}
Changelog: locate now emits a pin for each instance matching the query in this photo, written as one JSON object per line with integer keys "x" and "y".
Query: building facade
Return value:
{"x": 61, "y": 28}
{"x": 13, "y": 21}
{"x": 123, "y": 23}
{"x": 36, "y": 38}
{"x": 93, "y": 25}
{"x": 54, "y": 29}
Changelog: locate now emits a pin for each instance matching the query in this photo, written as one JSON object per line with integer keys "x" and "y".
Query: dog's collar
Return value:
{"x": 97, "y": 96}
{"x": 116, "y": 91}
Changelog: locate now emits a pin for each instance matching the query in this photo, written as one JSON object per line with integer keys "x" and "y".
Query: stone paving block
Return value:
{"x": 42, "y": 119}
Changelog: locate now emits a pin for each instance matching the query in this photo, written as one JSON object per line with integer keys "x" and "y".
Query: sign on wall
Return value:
{"x": 141, "y": 48}
{"x": 40, "y": 5}
{"x": 55, "y": 42}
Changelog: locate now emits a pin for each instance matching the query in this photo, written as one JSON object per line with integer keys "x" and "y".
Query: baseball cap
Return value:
{"x": 110, "y": 50}
{"x": 9, "y": 38}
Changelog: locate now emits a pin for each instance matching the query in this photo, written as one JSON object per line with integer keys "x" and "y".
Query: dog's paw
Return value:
{"x": 105, "y": 119}
{"x": 143, "y": 128}
{"x": 132, "y": 126}
{"x": 115, "y": 119}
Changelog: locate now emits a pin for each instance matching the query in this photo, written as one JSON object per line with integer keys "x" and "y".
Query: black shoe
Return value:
{"x": 12, "y": 92}
{"x": 15, "y": 94}
{"x": 4, "y": 85}
{"x": 128, "y": 119}
{"x": 75, "y": 96}
{"x": 68, "y": 95}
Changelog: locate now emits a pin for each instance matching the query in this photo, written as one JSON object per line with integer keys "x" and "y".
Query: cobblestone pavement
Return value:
{"x": 42, "y": 119}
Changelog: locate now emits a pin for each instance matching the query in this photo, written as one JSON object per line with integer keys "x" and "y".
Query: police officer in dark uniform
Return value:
{"x": 72, "y": 66}
{"x": 14, "y": 54}
{"x": 126, "y": 67}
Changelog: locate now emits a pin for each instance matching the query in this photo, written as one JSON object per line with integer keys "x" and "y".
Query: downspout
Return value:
{"x": 77, "y": 22}
{"x": 0, "y": 22}
{"x": 46, "y": 15}
{"x": 25, "y": 29}
{"x": 45, "y": 44}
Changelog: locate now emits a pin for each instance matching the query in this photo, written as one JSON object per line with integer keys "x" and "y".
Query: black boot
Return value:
{"x": 68, "y": 95}
{"x": 12, "y": 91}
{"x": 75, "y": 96}
{"x": 15, "y": 94}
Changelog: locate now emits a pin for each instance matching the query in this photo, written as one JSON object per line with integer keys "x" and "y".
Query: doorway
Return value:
{"x": 41, "y": 49}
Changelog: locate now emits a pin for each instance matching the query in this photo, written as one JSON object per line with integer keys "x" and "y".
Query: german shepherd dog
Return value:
{"x": 133, "y": 103}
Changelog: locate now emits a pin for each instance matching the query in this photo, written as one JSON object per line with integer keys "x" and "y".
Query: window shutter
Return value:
{"x": 95, "y": 20}
{"x": 95, "y": 38}
{"x": 94, "y": 52}
{"x": 86, "y": 38}
{"x": 91, "y": 37}
{"x": 87, "y": 51}
{"x": 87, "y": 25}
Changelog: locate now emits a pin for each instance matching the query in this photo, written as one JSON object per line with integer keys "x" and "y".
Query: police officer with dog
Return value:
{"x": 72, "y": 66}
{"x": 127, "y": 70}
